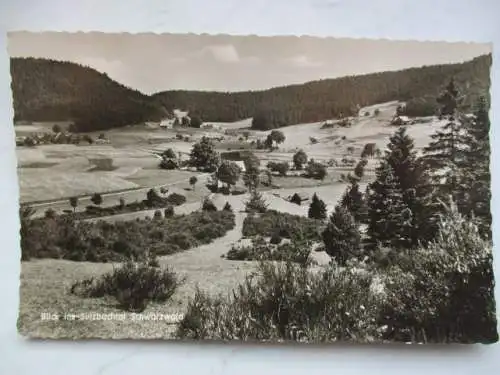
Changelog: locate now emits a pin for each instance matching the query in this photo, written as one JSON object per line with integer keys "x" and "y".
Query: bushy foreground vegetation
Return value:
{"x": 439, "y": 293}
{"x": 133, "y": 285}
{"x": 62, "y": 237}
{"x": 287, "y": 302}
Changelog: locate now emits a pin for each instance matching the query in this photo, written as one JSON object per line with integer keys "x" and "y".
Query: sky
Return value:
{"x": 157, "y": 62}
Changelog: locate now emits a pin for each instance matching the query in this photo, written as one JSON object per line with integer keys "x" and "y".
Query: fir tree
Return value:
{"x": 475, "y": 175}
{"x": 354, "y": 202}
{"x": 400, "y": 204}
{"x": 389, "y": 221}
{"x": 317, "y": 209}
{"x": 341, "y": 236}
{"x": 445, "y": 154}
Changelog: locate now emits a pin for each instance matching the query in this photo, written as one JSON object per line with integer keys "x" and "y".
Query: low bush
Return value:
{"x": 256, "y": 203}
{"x": 169, "y": 211}
{"x": 63, "y": 237}
{"x": 275, "y": 239}
{"x": 133, "y": 285}
{"x": 285, "y": 302}
{"x": 297, "y": 251}
{"x": 175, "y": 199}
{"x": 286, "y": 225}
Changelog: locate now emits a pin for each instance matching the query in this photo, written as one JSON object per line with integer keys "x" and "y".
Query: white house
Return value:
{"x": 240, "y": 164}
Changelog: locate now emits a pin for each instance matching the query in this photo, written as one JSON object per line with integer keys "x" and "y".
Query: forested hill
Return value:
{"x": 319, "y": 100}
{"x": 49, "y": 90}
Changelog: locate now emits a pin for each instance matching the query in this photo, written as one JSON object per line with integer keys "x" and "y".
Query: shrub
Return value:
{"x": 316, "y": 170}
{"x": 169, "y": 211}
{"x": 445, "y": 291}
{"x": 297, "y": 251}
{"x": 176, "y": 199}
{"x": 286, "y": 225}
{"x": 158, "y": 215}
{"x": 376, "y": 112}
{"x": 63, "y": 237}
{"x": 50, "y": 213}
{"x": 227, "y": 207}
{"x": 133, "y": 285}
{"x": 96, "y": 199}
{"x": 313, "y": 140}
{"x": 275, "y": 239}
{"x": 192, "y": 181}
{"x": 256, "y": 203}
{"x": 288, "y": 302}
{"x": 367, "y": 114}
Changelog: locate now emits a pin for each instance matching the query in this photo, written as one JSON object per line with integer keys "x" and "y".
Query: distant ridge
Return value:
{"x": 49, "y": 90}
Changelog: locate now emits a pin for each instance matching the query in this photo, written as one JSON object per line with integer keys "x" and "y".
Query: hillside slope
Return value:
{"x": 319, "y": 100}
{"x": 49, "y": 90}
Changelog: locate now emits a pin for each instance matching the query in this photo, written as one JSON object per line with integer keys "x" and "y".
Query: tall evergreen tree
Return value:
{"x": 317, "y": 208}
{"x": 389, "y": 222}
{"x": 400, "y": 204}
{"x": 341, "y": 236}
{"x": 445, "y": 154}
{"x": 354, "y": 202}
{"x": 475, "y": 175}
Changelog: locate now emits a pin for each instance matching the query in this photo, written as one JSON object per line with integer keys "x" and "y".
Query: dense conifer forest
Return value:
{"x": 48, "y": 90}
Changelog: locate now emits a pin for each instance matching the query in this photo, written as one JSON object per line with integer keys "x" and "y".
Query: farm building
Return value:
{"x": 240, "y": 164}
{"x": 299, "y": 197}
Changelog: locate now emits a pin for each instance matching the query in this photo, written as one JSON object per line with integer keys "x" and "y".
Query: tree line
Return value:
{"x": 49, "y": 90}
{"x": 333, "y": 98}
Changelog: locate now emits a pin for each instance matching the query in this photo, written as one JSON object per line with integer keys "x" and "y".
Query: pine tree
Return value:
{"x": 475, "y": 175}
{"x": 389, "y": 221}
{"x": 445, "y": 154}
{"x": 341, "y": 236}
{"x": 354, "y": 202}
{"x": 400, "y": 204}
{"x": 317, "y": 209}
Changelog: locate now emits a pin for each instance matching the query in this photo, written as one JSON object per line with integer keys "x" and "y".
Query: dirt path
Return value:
{"x": 203, "y": 268}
